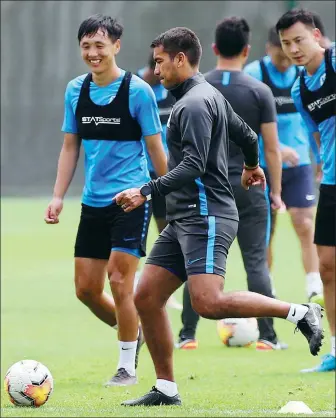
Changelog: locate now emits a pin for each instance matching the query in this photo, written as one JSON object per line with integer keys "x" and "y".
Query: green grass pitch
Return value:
{"x": 42, "y": 320}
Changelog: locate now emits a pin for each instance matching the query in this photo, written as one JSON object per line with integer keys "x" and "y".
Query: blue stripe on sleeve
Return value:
{"x": 202, "y": 197}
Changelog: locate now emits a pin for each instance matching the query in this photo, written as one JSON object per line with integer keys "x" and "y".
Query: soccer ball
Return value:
{"x": 28, "y": 383}
{"x": 238, "y": 332}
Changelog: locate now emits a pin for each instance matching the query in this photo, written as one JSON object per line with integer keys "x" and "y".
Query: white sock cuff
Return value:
{"x": 296, "y": 313}
{"x": 127, "y": 352}
{"x": 313, "y": 275}
{"x": 128, "y": 344}
{"x": 167, "y": 387}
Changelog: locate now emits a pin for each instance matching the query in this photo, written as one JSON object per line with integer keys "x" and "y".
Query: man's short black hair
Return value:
{"x": 318, "y": 23}
{"x": 293, "y": 16}
{"x": 180, "y": 39}
{"x": 232, "y": 35}
{"x": 107, "y": 24}
{"x": 273, "y": 37}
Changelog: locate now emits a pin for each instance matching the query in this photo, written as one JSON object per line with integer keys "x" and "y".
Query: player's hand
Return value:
{"x": 53, "y": 210}
{"x": 290, "y": 156}
{"x": 129, "y": 199}
{"x": 253, "y": 177}
{"x": 276, "y": 203}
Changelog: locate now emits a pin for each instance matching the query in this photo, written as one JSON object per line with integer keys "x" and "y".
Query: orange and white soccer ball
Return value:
{"x": 238, "y": 332}
{"x": 28, "y": 383}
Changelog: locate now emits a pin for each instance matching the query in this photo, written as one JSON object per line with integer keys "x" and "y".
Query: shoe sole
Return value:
{"x": 108, "y": 384}
{"x": 316, "y": 340}
{"x": 152, "y": 405}
{"x": 187, "y": 345}
{"x": 317, "y": 371}
{"x": 141, "y": 404}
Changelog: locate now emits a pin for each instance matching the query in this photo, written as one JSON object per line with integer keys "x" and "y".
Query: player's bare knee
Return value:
{"x": 144, "y": 300}
{"x": 86, "y": 294}
{"x": 203, "y": 306}
{"x": 303, "y": 221}
{"x": 121, "y": 286}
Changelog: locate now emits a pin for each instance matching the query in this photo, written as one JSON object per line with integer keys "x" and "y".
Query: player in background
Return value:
{"x": 325, "y": 42}
{"x": 165, "y": 103}
{"x": 108, "y": 110}
{"x": 314, "y": 94}
{"x": 298, "y": 187}
{"x": 253, "y": 101}
{"x": 202, "y": 214}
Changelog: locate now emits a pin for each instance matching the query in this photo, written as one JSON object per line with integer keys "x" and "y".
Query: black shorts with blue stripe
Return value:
{"x": 194, "y": 245}
{"x": 105, "y": 229}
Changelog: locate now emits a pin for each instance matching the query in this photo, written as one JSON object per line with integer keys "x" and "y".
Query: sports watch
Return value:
{"x": 146, "y": 191}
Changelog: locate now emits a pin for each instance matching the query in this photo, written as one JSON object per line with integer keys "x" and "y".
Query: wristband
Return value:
{"x": 248, "y": 167}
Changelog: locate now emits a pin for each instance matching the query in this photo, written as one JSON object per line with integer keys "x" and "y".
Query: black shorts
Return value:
{"x": 194, "y": 245}
{"x": 325, "y": 221}
{"x": 102, "y": 230}
{"x": 159, "y": 203}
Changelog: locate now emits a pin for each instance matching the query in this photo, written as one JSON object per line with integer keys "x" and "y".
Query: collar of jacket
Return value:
{"x": 182, "y": 88}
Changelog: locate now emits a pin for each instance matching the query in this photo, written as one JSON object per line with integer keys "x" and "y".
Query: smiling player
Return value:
{"x": 314, "y": 94}
{"x": 108, "y": 110}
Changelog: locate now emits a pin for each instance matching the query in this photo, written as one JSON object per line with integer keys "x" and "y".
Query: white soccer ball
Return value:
{"x": 28, "y": 383}
{"x": 238, "y": 332}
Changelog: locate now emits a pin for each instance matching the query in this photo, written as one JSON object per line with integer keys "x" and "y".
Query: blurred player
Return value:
{"x": 298, "y": 188}
{"x": 253, "y": 101}
{"x": 325, "y": 42}
{"x": 314, "y": 95}
{"x": 202, "y": 215}
{"x": 109, "y": 110}
{"x": 165, "y": 103}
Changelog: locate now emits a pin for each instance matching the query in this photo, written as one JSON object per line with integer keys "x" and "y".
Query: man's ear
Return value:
{"x": 246, "y": 51}
{"x": 180, "y": 58}
{"x": 117, "y": 46}
{"x": 215, "y": 49}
